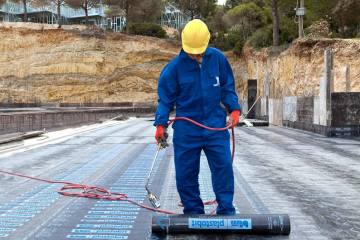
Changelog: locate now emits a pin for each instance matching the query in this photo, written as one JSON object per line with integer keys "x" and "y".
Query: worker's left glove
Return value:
{"x": 234, "y": 118}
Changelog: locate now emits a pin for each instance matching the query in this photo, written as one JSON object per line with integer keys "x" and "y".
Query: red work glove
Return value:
{"x": 234, "y": 118}
{"x": 160, "y": 133}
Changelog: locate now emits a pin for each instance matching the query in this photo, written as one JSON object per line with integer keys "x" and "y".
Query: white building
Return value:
{"x": 12, "y": 12}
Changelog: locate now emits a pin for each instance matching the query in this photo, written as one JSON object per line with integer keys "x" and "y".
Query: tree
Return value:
{"x": 209, "y": 8}
{"x": 275, "y": 22}
{"x": 146, "y": 11}
{"x": 347, "y": 15}
{"x": 193, "y": 8}
{"x": 246, "y": 18}
{"x": 215, "y": 21}
{"x": 136, "y": 10}
{"x": 2, "y": 2}
{"x": 196, "y": 8}
{"x": 125, "y": 5}
{"x": 86, "y": 5}
{"x": 57, "y": 3}
{"x": 233, "y": 3}
{"x": 24, "y": 3}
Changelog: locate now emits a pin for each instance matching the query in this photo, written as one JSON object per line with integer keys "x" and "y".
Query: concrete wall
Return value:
{"x": 305, "y": 109}
{"x": 244, "y": 106}
{"x": 304, "y": 113}
{"x": 23, "y": 122}
{"x": 345, "y": 114}
{"x": 289, "y": 109}
{"x": 345, "y": 109}
{"x": 263, "y": 110}
{"x": 298, "y": 112}
{"x": 275, "y": 111}
{"x": 316, "y": 114}
{"x": 329, "y": 113}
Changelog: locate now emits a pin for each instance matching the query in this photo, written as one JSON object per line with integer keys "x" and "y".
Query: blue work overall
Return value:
{"x": 200, "y": 92}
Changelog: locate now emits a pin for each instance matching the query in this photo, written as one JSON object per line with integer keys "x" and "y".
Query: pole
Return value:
{"x": 301, "y": 20}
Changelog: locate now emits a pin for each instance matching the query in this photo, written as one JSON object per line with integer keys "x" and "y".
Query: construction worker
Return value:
{"x": 200, "y": 83}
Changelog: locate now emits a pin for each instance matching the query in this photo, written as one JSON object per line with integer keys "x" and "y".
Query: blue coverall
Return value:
{"x": 198, "y": 92}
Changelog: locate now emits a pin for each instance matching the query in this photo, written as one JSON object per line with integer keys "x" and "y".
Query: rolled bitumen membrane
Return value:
{"x": 245, "y": 224}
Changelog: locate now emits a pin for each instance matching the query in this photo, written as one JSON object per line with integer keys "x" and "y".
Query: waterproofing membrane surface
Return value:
{"x": 315, "y": 180}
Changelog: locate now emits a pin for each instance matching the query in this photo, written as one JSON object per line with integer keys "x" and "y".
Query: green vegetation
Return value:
{"x": 254, "y": 22}
{"x": 261, "y": 23}
{"x": 147, "y": 29}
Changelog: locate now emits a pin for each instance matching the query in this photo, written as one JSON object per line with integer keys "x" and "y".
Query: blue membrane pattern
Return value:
{"x": 115, "y": 219}
{"x": 15, "y": 214}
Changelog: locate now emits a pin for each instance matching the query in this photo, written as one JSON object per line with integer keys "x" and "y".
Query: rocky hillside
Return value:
{"x": 79, "y": 65}
{"x": 297, "y": 69}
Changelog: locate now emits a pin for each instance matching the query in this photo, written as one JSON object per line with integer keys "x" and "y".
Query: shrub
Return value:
{"x": 147, "y": 29}
{"x": 220, "y": 40}
{"x": 246, "y": 16}
{"x": 239, "y": 45}
{"x": 236, "y": 39}
{"x": 261, "y": 37}
{"x": 288, "y": 30}
{"x": 319, "y": 29}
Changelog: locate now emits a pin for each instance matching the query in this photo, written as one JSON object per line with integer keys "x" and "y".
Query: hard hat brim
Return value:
{"x": 191, "y": 50}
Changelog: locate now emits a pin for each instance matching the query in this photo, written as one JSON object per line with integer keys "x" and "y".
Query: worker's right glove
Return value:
{"x": 161, "y": 136}
{"x": 234, "y": 118}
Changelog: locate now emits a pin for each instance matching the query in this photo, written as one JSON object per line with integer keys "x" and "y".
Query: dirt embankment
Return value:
{"x": 297, "y": 69}
{"x": 80, "y": 66}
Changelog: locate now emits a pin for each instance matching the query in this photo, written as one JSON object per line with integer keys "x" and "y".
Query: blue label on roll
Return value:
{"x": 239, "y": 224}
{"x": 219, "y": 223}
{"x": 207, "y": 223}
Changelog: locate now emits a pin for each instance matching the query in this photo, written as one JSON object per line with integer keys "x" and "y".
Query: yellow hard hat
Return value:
{"x": 195, "y": 37}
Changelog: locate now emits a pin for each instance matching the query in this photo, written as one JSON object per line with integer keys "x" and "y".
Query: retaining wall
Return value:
{"x": 304, "y": 113}
{"x": 33, "y": 121}
{"x": 275, "y": 111}
{"x": 345, "y": 109}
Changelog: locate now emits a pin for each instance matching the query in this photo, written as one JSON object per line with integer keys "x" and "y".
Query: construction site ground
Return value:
{"x": 316, "y": 180}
